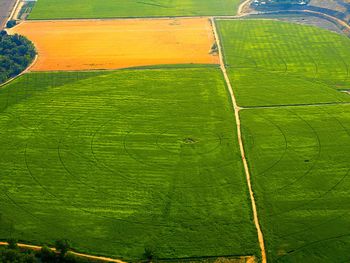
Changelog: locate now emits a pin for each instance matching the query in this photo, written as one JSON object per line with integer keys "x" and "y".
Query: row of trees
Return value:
{"x": 16, "y": 54}
{"x": 13, "y": 254}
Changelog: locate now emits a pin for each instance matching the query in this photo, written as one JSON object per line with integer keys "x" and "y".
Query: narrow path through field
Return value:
{"x": 241, "y": 146}
{"x": 37, "y": 248}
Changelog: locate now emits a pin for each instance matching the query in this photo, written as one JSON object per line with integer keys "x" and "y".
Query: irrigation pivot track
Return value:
{"x": 241, "y": 146}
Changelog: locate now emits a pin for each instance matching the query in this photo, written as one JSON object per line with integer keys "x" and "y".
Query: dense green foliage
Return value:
{"x": 276, "y": 63}
{"x": 8, "y": 255}
{"x": 11, "y": 23}
{"x": 16, "y": 53}
{"x": 58, "y": 9}
{"x": 122, "y": 163}
{"x": 299, "y": 160}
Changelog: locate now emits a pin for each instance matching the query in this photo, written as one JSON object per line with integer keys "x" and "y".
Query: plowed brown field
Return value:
{"x": 112, "y": 44}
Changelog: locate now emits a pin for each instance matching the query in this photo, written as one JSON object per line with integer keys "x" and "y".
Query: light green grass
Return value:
{"x": 124, "y": 160}
{"x": 299, "y": 160}
{"x": 59, "y": 9}
{"x": 278, "y": 63}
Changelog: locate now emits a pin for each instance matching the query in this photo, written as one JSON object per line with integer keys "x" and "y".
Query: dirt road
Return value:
{"x": 241, "y": 146}
{"x": 97, "y": 258}
{"x": 6, "y": 7}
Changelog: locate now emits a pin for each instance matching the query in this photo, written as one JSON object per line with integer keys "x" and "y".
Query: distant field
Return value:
{"x": 276, "y": 63}
{"x": 59, "y": 9}
{"x": 299, "y": 159}
{"x": 120, "y": 161}
{"x": 119, "y": 43}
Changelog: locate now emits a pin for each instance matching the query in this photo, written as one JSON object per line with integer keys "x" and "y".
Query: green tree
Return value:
{"x": 11, "y": 23}
{"x": 62, "y": 246}
{"x": 12, "y": 243}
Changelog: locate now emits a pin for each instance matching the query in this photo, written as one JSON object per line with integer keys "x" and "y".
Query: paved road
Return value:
{"x": 6, "y": 7}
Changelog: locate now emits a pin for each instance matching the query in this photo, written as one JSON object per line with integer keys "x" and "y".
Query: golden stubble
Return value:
{"x": 114, "y": 44}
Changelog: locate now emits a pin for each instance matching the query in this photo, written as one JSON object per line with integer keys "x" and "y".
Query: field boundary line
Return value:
{"x": 37, "y": 248}
{"x": 295, "y": 105}
{"x": 240, "y": 141}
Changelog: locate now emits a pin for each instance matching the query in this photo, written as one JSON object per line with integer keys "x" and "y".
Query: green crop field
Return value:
{"x": 298, "y": 155}
{"x": 299, "y": 159}
{"x": 277, "y": 63}
{"x": 121, "y": 161}
{"x": 59, "y": 9}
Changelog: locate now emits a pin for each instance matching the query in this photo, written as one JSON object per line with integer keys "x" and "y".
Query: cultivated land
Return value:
{"x": 65, "y": 9}
{"x": 113, "y": 44}
{"x": 298, "y": 155}
{"x": 124, "y": 160}
{"x": 299, "y": 159}
{"x": 276, "y": 63}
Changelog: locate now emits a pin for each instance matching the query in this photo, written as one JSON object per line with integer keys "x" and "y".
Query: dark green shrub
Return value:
{"x": 12, "y": 244}
{"x": 11, "y": 23}
{"x": 62, "y": 246}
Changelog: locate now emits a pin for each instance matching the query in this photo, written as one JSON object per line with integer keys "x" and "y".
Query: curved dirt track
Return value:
{"x": 37, "y": 248}
{"x": 310, "y": 12}
{"x": 22, "y": 73}
{"x": 240, "y": 11}
{"x": 241, "y": 146}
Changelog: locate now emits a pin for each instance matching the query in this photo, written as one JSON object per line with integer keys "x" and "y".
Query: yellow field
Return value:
{"x": 113, "y": 44}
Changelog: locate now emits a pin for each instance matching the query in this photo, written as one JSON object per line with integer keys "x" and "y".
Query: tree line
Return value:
{"x": 61, "y": 254}
{"x": 12, "y": 253}
{"x": 16, "y": 54}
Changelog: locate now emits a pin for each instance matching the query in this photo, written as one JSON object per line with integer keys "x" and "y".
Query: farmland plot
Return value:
{"x": 298, "y": 150}
{"x": 115, "y": 44}
{"x": 122, "y": 161}
{"x": 276, "y": 63}
{"x": 299, "y": 159}
{"x": 63, "y": 9}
